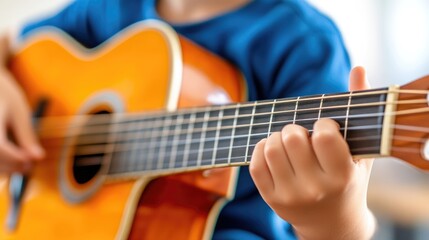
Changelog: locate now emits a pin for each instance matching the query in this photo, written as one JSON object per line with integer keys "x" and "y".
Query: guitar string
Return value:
{"x": 155, "y": 133}
{"x": 107, "y": 118}
{"x": 121, "y": 148}
{"x": 154, "y": 172}
{"x": 213, "y": 107}
{"x": 400, "y": 138}
{"x": 130, "y": 135}
{"x": 157, "y": 121}
{"x": 91, "y": 161}
{"x": 84, "y": 161}
{"x": 210, "y": 150}
{"x": 48, "y": 132}
{"x": 89, "y": 149}
{"x": 219, "y": 162}
{"x": 266, "y": 102}
{"x": 395, "y": 113}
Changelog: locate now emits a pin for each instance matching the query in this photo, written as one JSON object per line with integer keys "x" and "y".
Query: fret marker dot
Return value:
{"x": 425, "y": 150}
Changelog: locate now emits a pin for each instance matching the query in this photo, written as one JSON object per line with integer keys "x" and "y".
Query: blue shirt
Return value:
{"x": 284, "y": 48}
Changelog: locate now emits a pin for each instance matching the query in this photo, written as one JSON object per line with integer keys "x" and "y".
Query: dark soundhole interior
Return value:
{"x": 90, "y": 147}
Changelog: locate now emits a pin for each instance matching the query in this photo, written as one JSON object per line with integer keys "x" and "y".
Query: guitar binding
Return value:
{"x": 81, "y": 171}
{"x": 425, "y": 149}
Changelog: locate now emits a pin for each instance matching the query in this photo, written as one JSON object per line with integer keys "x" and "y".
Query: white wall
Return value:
{"x": 14, "y": 12}
{"x": 389, "y": 37}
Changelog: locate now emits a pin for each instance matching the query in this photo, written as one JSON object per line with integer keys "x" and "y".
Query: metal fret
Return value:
{"x": 175, "y": 142}
{"x": 151, "y": 150}
{"x": 346, "y": 124}
{"x": 250, "y": 131}
{"x": 163, "y": 142}
{"x": 116, "y": 163}
{"x": 260, "y": 123}
{"x": 284, "y": 114}
{"x": 296, "y": 109}
{"x": 241, "y": 133}
{"x": 210, "y": 137}
{"x": 320, "y": 107}
{"x": 233, "y": 132}
{"x": 271, "y": 118}
{"x": 188, "y": 139}
{"x": 226, "y": 130}
{"x": 195, "y": 140}
{"x": 216, "y": 142}
{"x": 361, "y": 127}
{"x": 308, "y": 111}
{"x": 133, "y": 159}
{"x": 143, "y": 144}
{"x": 125, "y": 160}
{"x": 331, "y": 111}
{"x": 203, "y": 136}
{"x": 182, "y": 136}
{"x": 224, "y": 135}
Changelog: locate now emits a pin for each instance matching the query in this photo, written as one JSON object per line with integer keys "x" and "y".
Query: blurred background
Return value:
{"x": 390, "y": 38}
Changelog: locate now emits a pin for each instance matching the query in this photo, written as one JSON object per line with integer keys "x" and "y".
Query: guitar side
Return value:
{"x": 112, "y": 78}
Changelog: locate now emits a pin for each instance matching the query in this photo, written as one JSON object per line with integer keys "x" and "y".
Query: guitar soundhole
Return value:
{"x": 91, "y": 147}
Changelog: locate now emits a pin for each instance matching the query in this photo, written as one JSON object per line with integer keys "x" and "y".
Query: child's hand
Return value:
{"x": 15, "y": 121}
{"x": 313, "y": 182}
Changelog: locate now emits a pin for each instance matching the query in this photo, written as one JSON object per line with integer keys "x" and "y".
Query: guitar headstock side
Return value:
{"x": 410, "y": 137}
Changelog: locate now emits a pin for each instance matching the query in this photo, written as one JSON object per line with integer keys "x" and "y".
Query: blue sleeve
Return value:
{"x": 319, "y": 64}
{"x": 315, "y": 64}
{"x": 91, "y": 22}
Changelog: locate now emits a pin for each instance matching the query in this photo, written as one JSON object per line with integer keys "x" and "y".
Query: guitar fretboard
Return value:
{"x": 218, "y": 136}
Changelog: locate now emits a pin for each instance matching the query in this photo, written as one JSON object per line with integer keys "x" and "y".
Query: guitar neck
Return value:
{"x": 218, "y": 136}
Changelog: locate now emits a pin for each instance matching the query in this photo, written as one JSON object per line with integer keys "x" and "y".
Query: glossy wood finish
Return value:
{"x": 411, "y": 130}
{"x": 52, "y": 68}
{"x": 185, "y": 201}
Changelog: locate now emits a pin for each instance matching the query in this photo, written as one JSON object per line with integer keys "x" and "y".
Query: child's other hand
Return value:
{"x": 313, "y": 182}
{"x": 15, "y": 120}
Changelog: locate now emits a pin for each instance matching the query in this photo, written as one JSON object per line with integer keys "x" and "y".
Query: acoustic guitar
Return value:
{"x": 143, "y": 134}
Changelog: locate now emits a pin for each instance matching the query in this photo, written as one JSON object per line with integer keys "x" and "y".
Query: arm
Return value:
{"x": 77, "y": 19}
{"x": 15, "y": 121}
{"x": 15, "y": 116}
{"x": 312, "y": 182}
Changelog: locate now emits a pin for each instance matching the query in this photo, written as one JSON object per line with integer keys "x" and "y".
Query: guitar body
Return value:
{"x": 146, "y": 67}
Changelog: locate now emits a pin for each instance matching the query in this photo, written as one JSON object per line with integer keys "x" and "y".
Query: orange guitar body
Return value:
{"x": 146, "y": 67}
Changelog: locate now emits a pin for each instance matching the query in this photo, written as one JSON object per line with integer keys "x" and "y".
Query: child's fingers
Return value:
{"x": 331, "y": 149}
{"x": 24, "y": 133}
{"x": 259, "y": 170}
{"x": 300, "y": 152}
{"x": 12, "y": 159}
{"x": 358, "y": 79}
{"x": 277, "y": 160}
